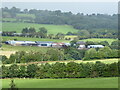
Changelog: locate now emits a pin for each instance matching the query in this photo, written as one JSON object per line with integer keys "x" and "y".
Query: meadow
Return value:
{"x": 109, "y": 40}
{"x": 111, "y": 82}
{"x": 106, "y": 61}
{"x": 23, "y": 48}
{"x": 6, "y": 38}
{"x": 52, "y": 29}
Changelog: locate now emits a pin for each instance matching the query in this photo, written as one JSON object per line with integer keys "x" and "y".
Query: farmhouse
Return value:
{"x": 81, "y": 45}
{"x": 95, "y": 46}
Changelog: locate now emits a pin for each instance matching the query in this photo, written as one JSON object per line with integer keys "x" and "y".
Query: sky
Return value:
{"x": 59, "y": 0}
{"x": 75, "y": 7}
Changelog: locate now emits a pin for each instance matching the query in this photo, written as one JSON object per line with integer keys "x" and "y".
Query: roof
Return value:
{"x": 95, "y": 46}
{"x": 44, "y": 41}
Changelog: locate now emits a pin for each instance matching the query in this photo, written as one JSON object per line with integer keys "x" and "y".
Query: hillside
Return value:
{"x": 52, "y": 29}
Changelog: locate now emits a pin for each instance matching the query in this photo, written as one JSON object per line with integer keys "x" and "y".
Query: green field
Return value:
{"x": 6, "y": 38}
{"x": 26, "y": 15}
{"x": 64, "y": 83}
{"x": 100, "y": 39}
{"x": 9, "y": 19}
{"x": 106, "y": 61}
{"x": 23, "y": 48}
{"x": 52, "y": 29}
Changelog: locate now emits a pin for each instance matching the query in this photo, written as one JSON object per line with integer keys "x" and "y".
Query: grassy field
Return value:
{"x": 8, "y": 19}
{"x": 70, "y": 36}
{"x": 52, "y": 29}
{"x": 99, "y": 40}
{"x": 64, "y": 83}
{"x": 6, "y": 38}
{"x": 107, "y": 61}
{"x": 26, "y": 15}
{"x": 23, "y": 48}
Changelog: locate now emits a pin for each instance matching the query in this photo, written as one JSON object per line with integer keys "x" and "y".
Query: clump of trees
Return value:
{"x": 25, "y": 57}
{"x": 102, "y": 53}
{"x": 65, "y": 53}
{"x": 62, "y": 70}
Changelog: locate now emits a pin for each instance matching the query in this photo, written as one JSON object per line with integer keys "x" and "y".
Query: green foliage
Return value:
{"x": 31, "y": 70}
{"x": 105, "y": 43}
{"x": 12, "y": 84}
{"x": 90, "y": 54}
{"x": 105, "y": 52}
{"x": 62, "y": 70}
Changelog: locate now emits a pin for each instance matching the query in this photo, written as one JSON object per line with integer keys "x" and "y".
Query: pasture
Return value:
{"x": 6, "y": 38}
{"x": 106, "y": 61}
{"x": 23, "y": 48}
{"x": 52, "y": 29}
{"x": 111, "y": 82}
{"x": 100, "y": 39}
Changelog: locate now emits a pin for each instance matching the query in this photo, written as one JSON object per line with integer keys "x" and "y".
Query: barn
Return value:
{"x": 44, "y": 43}
{"x": 20, "y": 43}
{"x": 95, "y": 46}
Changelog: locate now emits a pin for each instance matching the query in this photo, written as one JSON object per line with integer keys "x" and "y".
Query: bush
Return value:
{"x": 62, "y": 70}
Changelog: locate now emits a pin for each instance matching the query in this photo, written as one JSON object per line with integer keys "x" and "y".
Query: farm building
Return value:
{"x": 58, "y": 45}
{"x": 95, "y": 46}
{"x": 81, "y": 45}
{"x": 21, "y": 43}
{"x": 37, "y": 43}
{"x": 44, "y": 43}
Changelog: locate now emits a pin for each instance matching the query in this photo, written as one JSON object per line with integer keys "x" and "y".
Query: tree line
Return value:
{"x": 99, "y": 25}
{"x": 62, "y": 70}
{"x": 65, "y": 53}
{"x": 43, "y": 33}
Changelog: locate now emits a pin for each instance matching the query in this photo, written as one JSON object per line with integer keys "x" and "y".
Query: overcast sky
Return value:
{"x": 59, "y": 0}
{"x": 74, "y": 7}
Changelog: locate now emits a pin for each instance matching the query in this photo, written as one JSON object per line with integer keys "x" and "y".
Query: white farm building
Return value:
{"x": 95, "y": 46}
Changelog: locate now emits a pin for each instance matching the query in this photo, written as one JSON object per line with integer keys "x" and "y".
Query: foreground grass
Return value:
{"x": 52, "y": 29}
{"x": 64, "y": 83}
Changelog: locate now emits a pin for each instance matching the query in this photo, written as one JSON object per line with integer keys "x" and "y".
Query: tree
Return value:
{"x": 55, "y": 54}
{"x": 105, "y": 43}
{"x": 83, "y": 33}
{"x": 43, "y": 30}
{"x": 90, "y": 54}
{"x": 25, "y": 30}
{"x": 31, "y": 70}
{"x": 13, "y": 71}
{"x": 105, "y": 52}
{"x": 22, "y": 72}
{"x": 32, "y": 30}
{"x": 59, "y": 36}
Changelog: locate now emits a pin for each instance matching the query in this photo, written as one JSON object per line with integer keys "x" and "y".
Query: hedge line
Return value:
{"x": 62, "y": 70}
